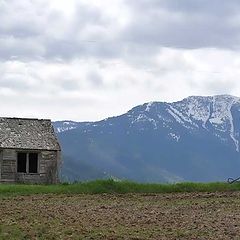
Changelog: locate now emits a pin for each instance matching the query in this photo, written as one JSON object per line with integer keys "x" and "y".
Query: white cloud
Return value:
{"x": 95, "y": 89}
{"x": 87, "y": 60}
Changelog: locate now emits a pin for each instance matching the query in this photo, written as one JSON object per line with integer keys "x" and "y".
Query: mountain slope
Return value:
{"x": 196, "y": 139}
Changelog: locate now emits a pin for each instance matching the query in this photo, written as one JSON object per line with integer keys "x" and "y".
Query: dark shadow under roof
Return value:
{"x": 24, "y": 133}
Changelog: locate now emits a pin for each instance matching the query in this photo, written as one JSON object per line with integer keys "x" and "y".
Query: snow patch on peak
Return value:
{"x": 148, "y": 107}
{"x": 175, "y": 116}
{"x": 144, "y": 118}
{"x": 66, "y": 126}
{"x": 198, "y": 109}
{"x": 174, "y": 136}
{"x": 212, "y": 111}
{"x": 222, "y": 114}
{"x": 67, "y": 123}
{"x": 227, "y": 97}
{"x": 181, "y": 116}
{"x": 224, "y": 97}
{"x": 221, "y": 110}
{"x": 141, "y": 117}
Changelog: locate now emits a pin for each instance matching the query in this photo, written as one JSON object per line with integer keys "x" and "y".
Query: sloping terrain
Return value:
{"x": 196, "y": 139}
{"x": 130, "y": 216}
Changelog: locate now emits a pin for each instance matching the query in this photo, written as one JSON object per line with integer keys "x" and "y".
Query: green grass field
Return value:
{"x": 111, "y": 186}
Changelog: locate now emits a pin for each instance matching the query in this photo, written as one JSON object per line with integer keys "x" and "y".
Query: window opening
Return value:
{"x": 27, "y": 162}
{"x": 33, "y": 162}
{"x": 22, "y": 162}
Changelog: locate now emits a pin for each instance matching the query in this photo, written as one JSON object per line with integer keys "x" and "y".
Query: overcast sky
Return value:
{"x": 90, "y": 59}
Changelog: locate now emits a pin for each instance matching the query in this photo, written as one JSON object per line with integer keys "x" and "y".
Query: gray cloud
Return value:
{"x": 95, "y": 79}
{"x": 57, "y": 57}
{"x": 23, "y": 19}
{"x": 219, "y": 86}
{"x": 14, "y": 83}
{"x": 33, "y": 29}
{"x": 69, "y": 84}
{"x": 213, "y": 7}
{"x": 185, "y": 24}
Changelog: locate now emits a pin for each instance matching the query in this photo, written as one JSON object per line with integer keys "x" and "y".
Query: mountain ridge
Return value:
{"x": 195, "y": 119}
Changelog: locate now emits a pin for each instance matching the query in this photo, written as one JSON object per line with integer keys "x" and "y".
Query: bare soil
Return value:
{"x": 128, "y": 216}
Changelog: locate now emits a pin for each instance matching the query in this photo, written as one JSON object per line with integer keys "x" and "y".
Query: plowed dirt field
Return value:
{"x": 127, "y": 216}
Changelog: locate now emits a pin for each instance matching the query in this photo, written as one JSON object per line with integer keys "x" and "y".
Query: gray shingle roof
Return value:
{"x": 24, "y": 133}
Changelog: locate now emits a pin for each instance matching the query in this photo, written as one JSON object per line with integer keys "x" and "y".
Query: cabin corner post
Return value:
{"x": 59, "y": 165}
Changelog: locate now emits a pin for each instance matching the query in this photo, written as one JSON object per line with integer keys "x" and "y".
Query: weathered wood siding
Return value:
{"x": 48, "y": 164}
{"x": 8, "y": 165}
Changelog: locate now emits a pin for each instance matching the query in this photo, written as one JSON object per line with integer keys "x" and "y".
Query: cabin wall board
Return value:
{"x": 47, "y": 167}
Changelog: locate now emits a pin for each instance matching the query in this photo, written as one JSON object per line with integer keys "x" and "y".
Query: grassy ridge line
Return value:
{"x": 111, "y": 186}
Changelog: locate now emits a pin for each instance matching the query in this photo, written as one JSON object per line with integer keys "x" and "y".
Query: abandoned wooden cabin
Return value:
{"x": 29, "y": 151}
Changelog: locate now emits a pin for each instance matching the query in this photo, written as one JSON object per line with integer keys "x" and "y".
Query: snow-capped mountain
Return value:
{"x": 218, "y": 115}
{"x": 196, "y": 139}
